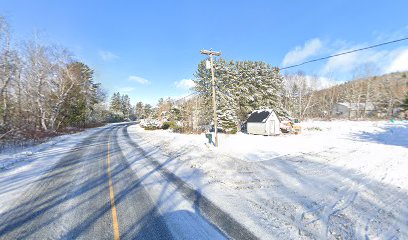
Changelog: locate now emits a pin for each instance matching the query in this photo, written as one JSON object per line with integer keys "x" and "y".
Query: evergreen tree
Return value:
{"x": 125, "y": 107}
{"x": 226, "y": 108}
{"x": 241, "y": 88}
{"x": 261, "y": 86}
{"x": 79, "y": 105}
{"x": 405, "y": 104}
{"x": 203, "y": 88}
{"x": 116, "y": 103}
{"x": 175, "y": 113}
{"x": 115, "y": 107}
{"x": 148, "y": 110}
{"x": 139, "y": 110}
{"x": 227, "y": 82}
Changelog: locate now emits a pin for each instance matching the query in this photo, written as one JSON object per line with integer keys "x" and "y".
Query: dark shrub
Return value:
{"x": 150, "y": 128}
{"x": 171, "y": 125}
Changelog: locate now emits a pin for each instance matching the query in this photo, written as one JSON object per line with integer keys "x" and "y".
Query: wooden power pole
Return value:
{"x": 212, "y": 53}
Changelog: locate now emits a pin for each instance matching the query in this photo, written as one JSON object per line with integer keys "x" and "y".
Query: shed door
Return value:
{"x": 272, "y": 128}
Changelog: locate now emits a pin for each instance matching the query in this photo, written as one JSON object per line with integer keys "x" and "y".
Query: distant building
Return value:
{"x": 353, "y": 110}
{"x": 263, "y": 122}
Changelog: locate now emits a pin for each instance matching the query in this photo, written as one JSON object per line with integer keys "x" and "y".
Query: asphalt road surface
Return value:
{"x": 91, "y": 193}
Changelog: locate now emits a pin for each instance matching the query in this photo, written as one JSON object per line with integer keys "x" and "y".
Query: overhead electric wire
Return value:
{"x": 344, "y": 53}
{"x": 323, "y": 58}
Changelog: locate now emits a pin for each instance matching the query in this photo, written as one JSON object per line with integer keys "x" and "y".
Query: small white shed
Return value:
{"x": 263, "y": 122}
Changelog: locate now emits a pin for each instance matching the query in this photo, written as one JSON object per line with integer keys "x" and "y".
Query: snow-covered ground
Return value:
{"x": 337, "y": 179}
{"x": 340, "y": 179}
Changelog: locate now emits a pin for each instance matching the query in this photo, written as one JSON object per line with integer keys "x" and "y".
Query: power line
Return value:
{"x": 319, "y": 59}
{"x": 331, "y": 56}
{"x": 344, "y": 53}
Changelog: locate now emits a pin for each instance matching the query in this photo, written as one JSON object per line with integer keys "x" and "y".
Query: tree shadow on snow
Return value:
{"x": 324, "y": 200}
{"x": 395, "y": 135}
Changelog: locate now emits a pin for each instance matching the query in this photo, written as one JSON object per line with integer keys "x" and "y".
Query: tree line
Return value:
{"x": 245, "y": 86}
{"x": 43, "y": 87}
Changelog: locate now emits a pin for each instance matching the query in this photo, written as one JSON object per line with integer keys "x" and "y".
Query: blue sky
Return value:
{"x": 150, "y": 49}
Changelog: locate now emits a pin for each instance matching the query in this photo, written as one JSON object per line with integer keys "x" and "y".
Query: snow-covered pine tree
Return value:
{"x": 116, "y": 102}
{"x": 227, "y": 83}
{"x": 271, "y": 89}
{"x": 260, "y": 86}
{"x": 148, "y": 110}
{"x": 139, "y": 110}
{"x": 202, "y": 80}
{"x": 225, "y": 75}
{"x": 125, "y": 105}
{"x": 242, "y": 87}
{"x": 246, "y": 90}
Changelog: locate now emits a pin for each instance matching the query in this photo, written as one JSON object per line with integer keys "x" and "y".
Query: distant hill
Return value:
{"x": 386, "y": 92}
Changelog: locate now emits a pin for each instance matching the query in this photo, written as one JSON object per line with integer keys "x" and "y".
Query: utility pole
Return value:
{"x": 212, "y": 53}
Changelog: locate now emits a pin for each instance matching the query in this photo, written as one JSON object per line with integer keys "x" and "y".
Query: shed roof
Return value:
{"x": 259, "y": 116}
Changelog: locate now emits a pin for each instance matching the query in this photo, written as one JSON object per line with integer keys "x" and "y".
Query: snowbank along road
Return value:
{"x": 89, "y": 191}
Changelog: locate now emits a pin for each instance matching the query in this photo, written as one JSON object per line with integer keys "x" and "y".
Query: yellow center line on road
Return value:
{"x": 116, "y": 234}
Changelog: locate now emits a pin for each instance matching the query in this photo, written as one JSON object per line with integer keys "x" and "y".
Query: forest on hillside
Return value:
{"x": 385, "y": 93}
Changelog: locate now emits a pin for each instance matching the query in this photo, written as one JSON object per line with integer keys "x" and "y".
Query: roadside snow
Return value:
{"x": 19, "y": 171}
{"x": 337, "y": 179}
{"x": 179, "y": 214}
{"x": 11, "y": 157}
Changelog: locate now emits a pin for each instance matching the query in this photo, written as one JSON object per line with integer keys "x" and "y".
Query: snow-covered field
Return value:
{"x": 340, "y": 179}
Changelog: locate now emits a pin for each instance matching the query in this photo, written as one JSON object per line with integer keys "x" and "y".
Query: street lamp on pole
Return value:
{"x": 212, "y": 53}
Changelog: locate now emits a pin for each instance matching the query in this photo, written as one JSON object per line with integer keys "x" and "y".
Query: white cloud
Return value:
{"x": 400, "y": 63}
{"x": 107, "y": 56}
{"x": 185, "y": 84}
{"x": 380, "y": 60}
{"x": 347, "y": 64}
{"x": 299, "y": 54}
{"x": 342, "y": 63}
{"x": 139, "y": 80}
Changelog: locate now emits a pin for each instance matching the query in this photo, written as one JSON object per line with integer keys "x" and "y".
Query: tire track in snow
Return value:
{"x": 206, "y": 207}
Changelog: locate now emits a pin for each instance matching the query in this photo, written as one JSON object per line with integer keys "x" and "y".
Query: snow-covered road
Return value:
{"x": 93, "y": 185}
